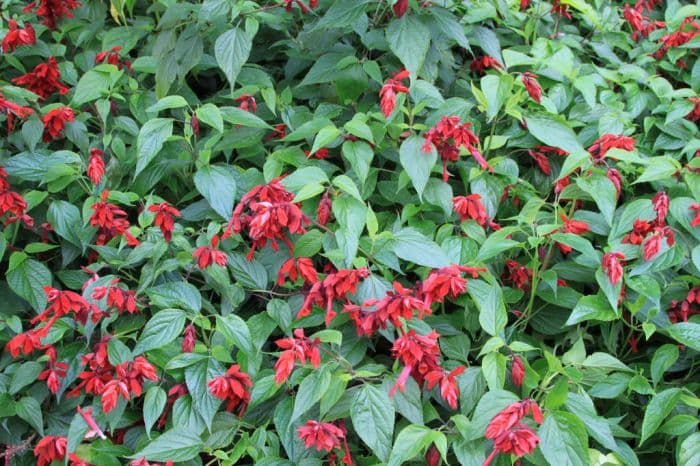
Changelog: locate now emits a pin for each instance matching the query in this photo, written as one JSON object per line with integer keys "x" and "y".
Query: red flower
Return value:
{"x": 541, "y": 160}
{"x": 50, "y": 448}
{"x": 75, "y": 460}
{"x": 164, "y": 219}
{"x": 511, "y": 415}
{"x": 449, "y": 391}
{"x": 532, "y": 86}
{"x": 470, "y": 208}
{"x": 189, "y": 339}
{"x": 12, "y": 109}
{"x": 448, "y": 136}
{"x": 96, "y": 166}
{"x": 652, "y": 246}
{"x": 660, "y": 203}
{"x": 111, "y": 221}
{"x": 90, "y": 421}
{"x": 609, "y": 141}
{"x": 247, "y": 103}
{"x": 194, "y": 124}
{"x": 561, "y": 184}
{"x": 208, "y": 255}
{"x": 278, "y": 132}
{"x": 611, "y": 266}
{"x": 393, "y": 307}
{"x": 232, "y": 387}
{"x": 335, "y": 286}
{"x": 271, "y": 212}
{"x": 43, "y": 80}
{"x": 17, "y": 37}
{"x": 419, "y": 355}
{"x": 447, "y": 281}
{"x": 112, "y": 57}
{"x": 640, "y": 24}
{"x": 320, "y": 154}
{"x": 304, "y": 9}
{"x": 677, "y": 38}
{"x": 518, "y": 440}
{"x": 400, "y": 8}
{"x": 323, "y": 214}
{"x": 560, "y": 9}
{"x": 122, "y": 300}
{"x": 302, "y": 267}
{"x": 391, "y": 87}
{"x": 432, "y": 456}
{"x": 517, "y": 274}
{"x": 696, "y": 219}
{"x": 640, "y": 229}
{"x": 614, "y": 176}
{"x": 53, "y": 374}
{"x": 694, "y": 114}
{"x": 517, "y": 372}
{"x": 576, "y": 227}
{"x": 53, "y": 10}
{"x": 481, "y": 64}
{"x": 297, "y": 348}
{"x": 323, "y": 436}
{"x": 24, "y": 343}
{"x": 54, "y": 122}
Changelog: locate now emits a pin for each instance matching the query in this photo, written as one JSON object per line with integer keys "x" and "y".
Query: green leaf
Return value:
{"x": 118, "y": 352}
{"x": 495, "y": 244}
{"x": 664, "y": 357}
{"x": 24, "y": 375}
{"x": 218, "y": 186}
{"x": 177, "y": 444}
{"x": 563, "y": 439}
{"x": 659, "y": 168}
{"x": 175, "y": 295}
{"x": 324, "y": 137}
{"x": 409, "y": 40}
{"x": 496, "y": 90}
{"x": 372, "y": 414}
{"x": 27, "y": 278}
{"x": 348, "y": 186}
{"x": 160, "y": 330}
{"x": 342, "y": 13}
{"x": 150, "y": 141}
{"x": 66, "y": 222}
{"x": 29, "y": 410}
{"x": 232, "y": 49}
{"x": 657, "y": 410}
{"x": 310, "y": 391}
{"x": 196, "y": 378}
{"x": 240, "y": 117}
{"x": 248, "y": 274}
{"x": 210, "y": 115}
{"x": 168, "y": 102}
{"x": 92, "y": 85}
{"x": 153, "y": 404}
{"x": 553, "y": 132}
{"x": 413, "y": 440}
{"x": 412, "y": 246}
{"x": 689, "y": 451}
{"x": 687, "y": 333}
{"x": 417, "y": 163}
{"x": 236, "y": 332}
{"x": 603, "y": 192}
{"x": 492, "y": 310}
{"x": 359, "y": 154}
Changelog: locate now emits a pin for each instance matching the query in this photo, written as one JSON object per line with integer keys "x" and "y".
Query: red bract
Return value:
{"x": 189, "y": 339}
{"x": 640, "y": 24}
{"x": 246, "y": 102}
{"x": 400, "y": 8}
{"x": 96, "y": 166}
{"x": 24, "y": 343}
{"x": 391, "y": 87}
{"x": 517, "y": 371}
{"x": 323, "y": 214}
{"x": 696, "y": 220}
{"x": 12, "y": 109}
{"x": 560, "y": 9}
{"x": 90, "y": 421}
{"x": 469, "y": 207}
{"x": 481, "y": 64}
{"x": 55, "y": 121}
{"x": 541, "y": 160}
{"x": 532, "y": 86}
{"x": 660, "y": 202}
{"x": 53, "y": 10}
{"x": 323, "y": 436}
{"x": 165, "y": 218}
{"x": 694, "y": 114}
{"x": 304, "y": 9}
{"x": 519, "y": 440}
{"x": 117, "y": 298}
{"x": 432, "y": 456}
{"x": 233, "y": 388}
{"x": 209, "y": 255}
{"x": 75, "y": 460}
{"x": 640, "y": 229}
{"x": 609, "y": 141}
{"x": 53, "y": 374}
{"x": 396, "y": 305}
{"x": 302, "y": 267}
{"x": 17, "y": 37}
{"x": 60, "y": 303}
{"x": 270, "y": 216}
{"x": 447, "y": 281}
{"x": 449, "y": 390}
{"x": 419, "y": 355}
{"x": 517, "y": 274}
{"x": 577, "y": 227}
{"x": 614, "y": 176}
{"x": 677, "y": 38}
{"x": 612, "y": 267}
{"x": 321, "y": 154}
{"x": 297, "y": 348}
{"x": 448, "y": 136}
{"x": 652, "y": 244}
{"x": 511, "y": 415}
{"x": 335, "y": 286}
{"x": 43, "y": 80}
{"x": 111, "y": 221}
{"x": 112, "y": 57}
{"x": 50, "y": 448}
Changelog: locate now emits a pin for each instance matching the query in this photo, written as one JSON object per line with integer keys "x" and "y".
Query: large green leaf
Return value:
{"x": 409, "y": 40}
{"x": 372, "y": 414}
{"x": 27, "y": 278}
{"x": 417, "y": 162}
{"x": 160, "y": 330}
{"x": 231, "y": 50}
{"x": 177, "y": 444}
{"x": 657, "y": 410}
{"x": 563, "y": 439}
{"x": 218, "y": 186}
{"x": 150, "y": 141}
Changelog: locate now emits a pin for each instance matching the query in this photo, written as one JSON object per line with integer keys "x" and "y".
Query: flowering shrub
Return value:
{"x": 349, "y": 232}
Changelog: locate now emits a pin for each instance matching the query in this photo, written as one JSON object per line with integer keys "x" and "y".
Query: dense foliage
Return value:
{"x": 350, "y": 232}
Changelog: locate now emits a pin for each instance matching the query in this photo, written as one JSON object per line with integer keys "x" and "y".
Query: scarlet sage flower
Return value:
{"x": 90, "y": 422}
{"x": 678, "y": 38}
{"x": 24, "y": 343}
{"x": 111, "y": 221}
{"x": 59, "y": 304}
{"x": 323, "y": 436}
{"x": 532, "y": 86}
{"x": 335, "y": 286}
{"x": 396, "y": 305}
{"x": 481, "y": 64}
{"x": 323, "y": 214}
{"x": 612, "y": 267}
{"x": 517, "y": 371}
{"x": 560, "y": 9}
{"x": 297, "y": 348}
{"x": 53, "y": 374}
{"x": 660, "y": 204}
{"x": 117, "y": 298}
{"x": 519, "y": 440}
{"x": 233, "y": 388}
{"x": 469, "y": 207}
{"x": 419, "y": 355}
{"x": 43, "y": 80}
{"x": 517, "y": 274}
{"x": 390, "y": 89}
{"x": 189, "y": 339}
{"x": 112, "y": 57}
{"x": 165, "y": 218}
{"x": 449, "y": 391}
{"x": 12, "y": 109}
{"x": 447, "y": 281}
{"x": 302, "y": 267}
{"x": 208, "y": 255}
{"x": 52, "y": 11}
{"x": 694, "y": 114}
{"x": 17, "y": 37}
{"x": 50, "y": 448}
{"x": 247, "y": 103}
{"x": 75, "y": 460}
{"x": 55, "y": 121}
{"x": 641, "y": 25}
{"x": 400, "y": 8}
{"x": 267, "y": 213}
{"x": 614, "y": 176}
{"x": 696, "y": 219}
{"x": 511, "y": 415}
{"x": 609, "y": 141}
{"x": 96, "y": 166}
{"x": 448, "y": 136}
{"x": 304, "y": 9}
